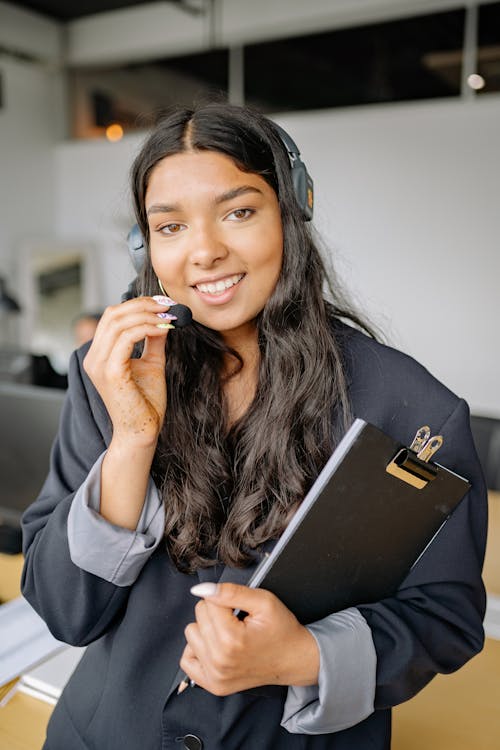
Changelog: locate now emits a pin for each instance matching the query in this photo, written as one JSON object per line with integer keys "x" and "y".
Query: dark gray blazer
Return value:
{"x": 120, "y": 698}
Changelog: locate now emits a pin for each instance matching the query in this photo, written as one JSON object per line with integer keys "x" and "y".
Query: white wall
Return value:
{"x": 93, "y": 205}
{"x": 22, "y": 31}
{"x": 30, "y": 125}
{"x": 241, "y": 21}
{"x": 154, "y": 29}
{"x": 32, "y": 120}
{"x": 160, "y": 28}
{"x": 407, "y": 199}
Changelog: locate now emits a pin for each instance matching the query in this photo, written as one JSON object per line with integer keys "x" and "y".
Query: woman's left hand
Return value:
{"x": 269, "y": 647}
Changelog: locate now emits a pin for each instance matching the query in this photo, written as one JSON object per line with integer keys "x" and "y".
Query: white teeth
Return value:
{"x": 219, "y": 286}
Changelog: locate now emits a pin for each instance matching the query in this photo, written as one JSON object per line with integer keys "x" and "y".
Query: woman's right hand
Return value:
{"x": 133, "y": 390}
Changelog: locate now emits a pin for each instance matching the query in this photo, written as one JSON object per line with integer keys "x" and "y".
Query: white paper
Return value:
{"x": 47, "y": 680}
{"x": 25, "y": 639}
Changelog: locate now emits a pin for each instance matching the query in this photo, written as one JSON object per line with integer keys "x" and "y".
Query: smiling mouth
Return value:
{"x": 219, "y": 287}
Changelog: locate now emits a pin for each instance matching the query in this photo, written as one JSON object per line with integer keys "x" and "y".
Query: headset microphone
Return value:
{"x": 183, "y": 314}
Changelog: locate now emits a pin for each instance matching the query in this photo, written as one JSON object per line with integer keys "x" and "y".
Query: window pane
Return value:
{"x": 133, "y": 95}
{"x": 488, "y": 54}
{"x": 411, "y": 58}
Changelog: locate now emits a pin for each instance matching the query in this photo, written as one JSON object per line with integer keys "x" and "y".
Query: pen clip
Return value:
{"x": 430, "y": 447}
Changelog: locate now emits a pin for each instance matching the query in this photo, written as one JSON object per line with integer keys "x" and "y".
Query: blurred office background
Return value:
{"x": 394, "y": 104}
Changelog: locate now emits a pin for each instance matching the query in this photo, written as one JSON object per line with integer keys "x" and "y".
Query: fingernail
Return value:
{"x": 204, "y": 589}
{"x": 164, "y": 300}
{"x": 165, "y": 325}
{"x": 167, "y": 316}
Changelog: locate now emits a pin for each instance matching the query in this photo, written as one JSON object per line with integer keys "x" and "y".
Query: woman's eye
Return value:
{"x": 240, "y": 214}
{"x": 172, "y": 228}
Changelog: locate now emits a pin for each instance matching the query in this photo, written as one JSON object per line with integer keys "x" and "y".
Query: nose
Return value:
{"x": 207, "y": 247}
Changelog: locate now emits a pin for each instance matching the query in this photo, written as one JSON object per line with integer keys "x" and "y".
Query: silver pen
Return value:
{"x": 185, "y": 683}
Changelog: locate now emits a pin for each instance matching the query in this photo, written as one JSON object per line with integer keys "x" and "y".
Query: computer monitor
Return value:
{"x": 29, "y": 417}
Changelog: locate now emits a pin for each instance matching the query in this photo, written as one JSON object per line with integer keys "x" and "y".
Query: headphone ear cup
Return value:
{"x": 136, "y": 248}
{"x": 302, "y": 180}
{"x": 304, "y": 188}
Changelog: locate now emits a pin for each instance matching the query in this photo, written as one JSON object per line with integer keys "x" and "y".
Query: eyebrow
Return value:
{"x": 164, "y": 208}
{"x": 236, "y": 192}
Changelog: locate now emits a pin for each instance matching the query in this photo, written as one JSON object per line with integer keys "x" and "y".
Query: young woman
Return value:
{"x": 180, "y": 459}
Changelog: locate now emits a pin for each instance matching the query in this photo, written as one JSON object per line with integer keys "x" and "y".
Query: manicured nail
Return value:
{"x": 165, "y": 325}
{"x": 204, "y": 589}
{"x": 166, "y": 316}
{"x": 167, "y": 301}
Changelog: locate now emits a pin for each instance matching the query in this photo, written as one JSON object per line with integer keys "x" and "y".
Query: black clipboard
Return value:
{"x": 368, "y": 517}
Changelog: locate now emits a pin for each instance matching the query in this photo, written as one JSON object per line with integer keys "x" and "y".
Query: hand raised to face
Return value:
{"x": 133, "y": 390}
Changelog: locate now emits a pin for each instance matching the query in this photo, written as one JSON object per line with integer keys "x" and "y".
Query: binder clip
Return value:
{"x": 412, "y": 464}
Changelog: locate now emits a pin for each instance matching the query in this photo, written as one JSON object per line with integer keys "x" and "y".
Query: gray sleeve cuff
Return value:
{"x": 346, "y": 690}
{"x": 111, "y": 552}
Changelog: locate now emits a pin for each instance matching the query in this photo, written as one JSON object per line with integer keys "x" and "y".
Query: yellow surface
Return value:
{"x": 454, "y": 712}
{"x": 22, "y": 723}
{"x": 10, "y": 577}
{"x": 24, "y": 719}
{"x": 491, "y": 572}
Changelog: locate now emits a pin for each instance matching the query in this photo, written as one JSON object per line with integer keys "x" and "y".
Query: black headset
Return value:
{"x": 302, "y": 180}
{"x": 302, "y": 183}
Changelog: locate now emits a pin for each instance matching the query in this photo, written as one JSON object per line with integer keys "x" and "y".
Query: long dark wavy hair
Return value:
{"x": 228, "y": 489}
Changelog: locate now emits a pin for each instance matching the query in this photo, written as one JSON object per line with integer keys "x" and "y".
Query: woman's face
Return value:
{"x": 216, "y": 238}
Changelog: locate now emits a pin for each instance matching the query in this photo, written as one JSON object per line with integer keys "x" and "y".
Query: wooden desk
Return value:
{"x": 454, "y": 712}
{"x": 491, "y": 573}
{"x": 10, "y": 576}
{"x": 23, "y": 722}
{"x": 24, "y": 719}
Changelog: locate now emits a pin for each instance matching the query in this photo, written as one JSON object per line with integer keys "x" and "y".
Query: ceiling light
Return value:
{"x": 476, "y": 81}
{"x": 114, "y": 132}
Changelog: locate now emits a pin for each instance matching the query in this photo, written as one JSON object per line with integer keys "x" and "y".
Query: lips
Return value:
{"x": 220, "y": 286}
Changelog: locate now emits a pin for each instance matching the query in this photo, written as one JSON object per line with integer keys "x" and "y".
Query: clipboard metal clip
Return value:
{"x": 411, "y": 465}
{"x": 421, "y": 438}
{"x": 430, "y": 448}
